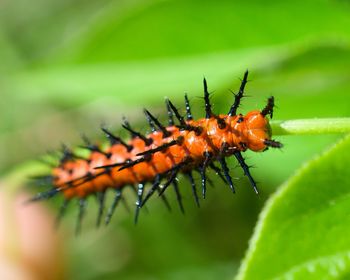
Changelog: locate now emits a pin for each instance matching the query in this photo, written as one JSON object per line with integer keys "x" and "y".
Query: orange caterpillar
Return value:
{"x": 162, "y": 154}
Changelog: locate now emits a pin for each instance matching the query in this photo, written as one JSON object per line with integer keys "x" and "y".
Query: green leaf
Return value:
{"x": 183, "y": 28}
{"x": 303, "y": 232}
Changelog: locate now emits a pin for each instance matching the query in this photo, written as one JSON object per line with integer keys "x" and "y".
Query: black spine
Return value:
{"x": 148, "y": 141}
{"x": 117, "y": 197}
{"x": 61, "y": 212}
{"x": 202, "y": 169}
{"x": 194, "y": 188}
{"x": 268, "y": 110}
{"x": 115, "y": 139}
{"x": 170, "y": 113}
{"x": 178, "y": 196}
{"x": 208, "y": 112}
{"x": 101, "y": 206}
{"x": 226, "y": 173}
{"x": 188, "y": 108}
{"x": 140, "y": 190}
{"x": 239, "y": 96}
{"x": 245, "y": 168}
{"x": 81, "y": 214}
{"x": 157, "y": 123}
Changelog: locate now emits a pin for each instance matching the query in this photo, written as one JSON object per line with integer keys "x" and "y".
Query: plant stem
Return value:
{"x": 311, "y": 126}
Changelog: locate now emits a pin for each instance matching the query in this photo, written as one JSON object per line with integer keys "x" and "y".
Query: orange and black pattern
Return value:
{"x": 180, "y": 147}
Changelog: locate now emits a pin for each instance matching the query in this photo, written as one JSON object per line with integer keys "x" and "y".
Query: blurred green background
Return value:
{"x": 68, "y": 66}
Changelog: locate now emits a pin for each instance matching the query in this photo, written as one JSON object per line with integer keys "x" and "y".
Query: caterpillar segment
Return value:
{"x": 156, "y": 159}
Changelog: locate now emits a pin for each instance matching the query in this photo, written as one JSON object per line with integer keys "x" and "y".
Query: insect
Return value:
{"x": 156, "y": 159}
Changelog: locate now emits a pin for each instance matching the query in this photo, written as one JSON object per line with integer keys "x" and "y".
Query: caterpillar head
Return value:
{"x": 259, "y": 130}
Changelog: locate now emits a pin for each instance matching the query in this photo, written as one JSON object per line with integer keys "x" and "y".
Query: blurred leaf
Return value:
{"x": 8, "y": 55}
{"x": 45, "y": 26}
{"x": 183, "y": 28}
{"x": 303, "y": 230}
{"x": 128, "y": 81}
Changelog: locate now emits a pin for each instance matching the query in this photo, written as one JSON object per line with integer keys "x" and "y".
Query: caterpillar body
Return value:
{"x": 157, "y": 159}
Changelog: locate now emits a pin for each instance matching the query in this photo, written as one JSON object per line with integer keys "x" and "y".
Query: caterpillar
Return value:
{"x": 157, "y": 158}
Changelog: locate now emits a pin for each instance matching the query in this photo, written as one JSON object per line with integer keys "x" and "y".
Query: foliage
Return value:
{"x": 303, "y": 227}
